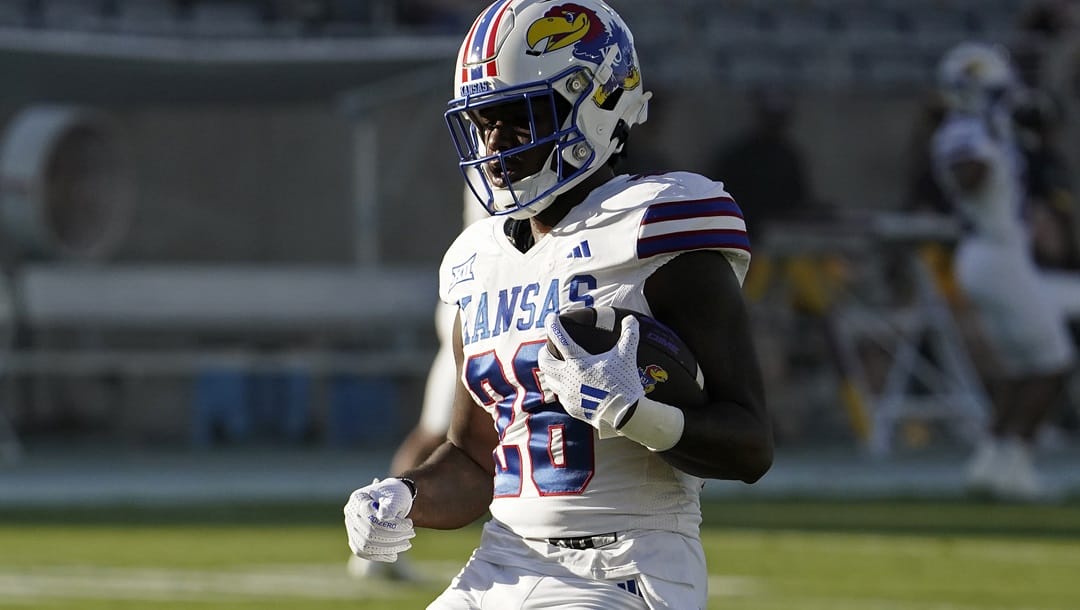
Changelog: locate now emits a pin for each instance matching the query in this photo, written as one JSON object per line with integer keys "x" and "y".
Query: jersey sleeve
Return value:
{"x": 710, "y": 223}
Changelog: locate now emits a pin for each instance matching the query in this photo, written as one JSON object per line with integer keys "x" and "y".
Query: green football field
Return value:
{"x": 763, "y": 555}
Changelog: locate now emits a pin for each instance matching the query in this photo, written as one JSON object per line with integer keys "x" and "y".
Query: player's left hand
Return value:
{"x": 595, "y": 388}
{"x": 376, "y": 520}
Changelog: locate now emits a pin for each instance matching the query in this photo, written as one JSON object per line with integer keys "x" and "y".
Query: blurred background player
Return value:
{"x": 430, "y": 430}
{"x": 980, "y": 166}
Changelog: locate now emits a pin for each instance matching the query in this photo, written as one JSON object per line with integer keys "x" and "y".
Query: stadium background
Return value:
{"x": 284, "y": 134}
{"x": 222, "y": 218}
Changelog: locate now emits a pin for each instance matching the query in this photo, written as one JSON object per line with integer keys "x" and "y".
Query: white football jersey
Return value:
{"x": 554, "y": 477}
{"x": 994, "y": 212}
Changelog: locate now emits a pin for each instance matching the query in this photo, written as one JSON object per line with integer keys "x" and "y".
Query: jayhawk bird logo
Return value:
{"x": 652, "y": 375}
{"x": 572, "y": 24}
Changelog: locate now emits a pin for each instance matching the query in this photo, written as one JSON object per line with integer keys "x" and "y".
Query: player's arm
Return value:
{"x": 962, "y": 149}
{"x": 455, "y": 485}
{"x": 969, "y": 174}
{"x": 699, "y": 297}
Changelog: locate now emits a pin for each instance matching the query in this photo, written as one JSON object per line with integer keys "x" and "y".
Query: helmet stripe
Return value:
{"x": 464, "y": 59}
{"x": 493, "y": 33}
{"x": 480, "y": 43}
{"x": 479, "y": 38}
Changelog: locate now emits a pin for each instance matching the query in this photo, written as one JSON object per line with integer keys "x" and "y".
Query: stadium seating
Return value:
{"x": 824, "y": 31}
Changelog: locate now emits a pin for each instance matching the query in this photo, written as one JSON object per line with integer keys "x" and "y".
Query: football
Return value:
{"x": 668, "y": 370}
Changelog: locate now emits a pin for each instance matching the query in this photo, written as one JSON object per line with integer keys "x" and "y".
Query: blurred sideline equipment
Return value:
{"x": 66, "y": 192}
{"x": 929, "y": 375}
{"x": 67, "y": 188}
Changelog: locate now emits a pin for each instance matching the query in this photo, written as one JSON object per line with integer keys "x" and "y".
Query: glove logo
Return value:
{"x": 390, "y": 525}
{"x": 590, "y": 399}
{"x": 557, "y": 331}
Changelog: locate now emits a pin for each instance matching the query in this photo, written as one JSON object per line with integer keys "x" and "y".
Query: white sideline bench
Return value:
{"x": 223, "y": 298}
{"x": 393, "y": 304}
{"x": 326, "y": 320}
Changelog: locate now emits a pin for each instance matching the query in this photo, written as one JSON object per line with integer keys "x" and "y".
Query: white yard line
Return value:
{"x": 310, "y": 581}
{"x": 733, "y": 586}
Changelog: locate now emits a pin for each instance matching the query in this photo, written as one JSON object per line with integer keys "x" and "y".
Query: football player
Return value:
{"x": 594, "y": 499}
{"x": 979, "y": 165}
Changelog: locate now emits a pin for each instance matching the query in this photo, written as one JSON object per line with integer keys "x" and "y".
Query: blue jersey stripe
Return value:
{"x": 675, "y": 210}
{"x": 693, "y": 240}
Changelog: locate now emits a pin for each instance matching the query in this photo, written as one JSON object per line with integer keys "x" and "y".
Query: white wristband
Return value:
{"x": 654, "y": 424}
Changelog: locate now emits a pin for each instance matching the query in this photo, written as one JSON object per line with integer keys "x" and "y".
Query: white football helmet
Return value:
{"x": 578, "y": 55}
{"x": 978, "y": 78}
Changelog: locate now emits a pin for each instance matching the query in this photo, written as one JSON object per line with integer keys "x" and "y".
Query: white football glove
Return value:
{"x": 598, "y": 389}
{"x": 376, "y": 520}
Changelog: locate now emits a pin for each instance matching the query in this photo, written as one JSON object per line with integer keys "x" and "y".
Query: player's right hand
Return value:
{"x": 598, "y": 389}
{"x": 376, "y": 520}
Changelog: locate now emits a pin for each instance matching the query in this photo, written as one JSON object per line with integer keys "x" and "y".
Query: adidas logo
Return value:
{"x": 630, "y": 586}
{"x": 580, "y": 251}
{"x": 590, "y": 398}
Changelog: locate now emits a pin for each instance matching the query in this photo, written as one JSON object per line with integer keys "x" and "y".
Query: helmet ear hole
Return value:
{"x": 621, "y": 132}
{"x": 612, "y": 100}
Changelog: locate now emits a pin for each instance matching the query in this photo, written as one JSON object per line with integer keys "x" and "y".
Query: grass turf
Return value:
{"x": 788, "y": 555}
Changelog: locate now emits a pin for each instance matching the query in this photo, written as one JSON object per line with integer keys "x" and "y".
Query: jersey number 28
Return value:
{"x": 559, "y": 447}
